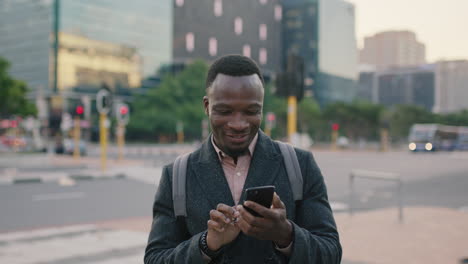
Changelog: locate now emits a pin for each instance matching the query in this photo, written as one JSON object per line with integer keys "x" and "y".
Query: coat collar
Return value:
{"x": 263, "y": 170}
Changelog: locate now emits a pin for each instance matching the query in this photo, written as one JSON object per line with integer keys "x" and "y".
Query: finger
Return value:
{"x": 213, "y": 225}
{"x": 219, "y": 217}
{"x": 259, "y": 222}
{"x": 227, "y": 210}
{"x": 260, "y": 209}
{"x": 277, "y": 203}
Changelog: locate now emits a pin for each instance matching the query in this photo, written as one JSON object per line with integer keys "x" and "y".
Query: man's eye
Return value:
{"x": 253, "y": 112}
{"x": 224, "y": 112}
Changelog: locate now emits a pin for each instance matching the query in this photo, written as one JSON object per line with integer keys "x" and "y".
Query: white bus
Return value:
{"x": 433, "y": 137}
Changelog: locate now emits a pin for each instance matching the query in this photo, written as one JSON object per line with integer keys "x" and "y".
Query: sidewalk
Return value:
{"x": 427, "y": 235}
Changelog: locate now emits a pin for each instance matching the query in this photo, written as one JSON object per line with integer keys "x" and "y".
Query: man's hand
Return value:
{"x": 221, "y": 227}
{"x": 272, "y": 226}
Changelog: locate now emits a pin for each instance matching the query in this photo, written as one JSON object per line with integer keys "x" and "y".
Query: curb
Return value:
{"x": 73, "y": 177}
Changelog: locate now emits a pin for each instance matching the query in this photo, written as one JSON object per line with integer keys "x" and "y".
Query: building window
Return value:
{"x": 218, "y": 8}
{"x": 246, "y": 50}
{"x": 238, "y": 25}
{"x": 263, "y": 2}
{"x": 262, "y": 56}
{"x": 179, "y": 2}
{"x": 262, "y": 32}
{"x": 278, "y": 12}
{"x": 213, "y": 46}
{"x": 190, "y": 42}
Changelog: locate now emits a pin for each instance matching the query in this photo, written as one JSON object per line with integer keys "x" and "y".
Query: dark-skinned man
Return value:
{"x": 217, "y": 228}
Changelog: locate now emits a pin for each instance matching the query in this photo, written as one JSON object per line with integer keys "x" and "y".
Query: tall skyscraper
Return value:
{"x": 451, "y": 86}
{"x": 322, "y": 32}
{"x": 393, "y": 48}
{"x": 399, "y": 85}
{"x": 132, "y": 32}
{"x": 208, "y": 29}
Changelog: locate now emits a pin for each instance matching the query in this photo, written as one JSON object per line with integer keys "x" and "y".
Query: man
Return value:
{"x": 237, "y": 156}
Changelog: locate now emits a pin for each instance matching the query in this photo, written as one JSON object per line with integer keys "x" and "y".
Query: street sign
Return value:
{"x": 103, "y": 101}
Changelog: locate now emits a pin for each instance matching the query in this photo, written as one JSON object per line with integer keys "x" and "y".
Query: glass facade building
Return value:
{"x": 407, "y": 86}
{"x": 27, "y": 39}
{"x": 25, "y": 31}
{"x": 322, "y": 32}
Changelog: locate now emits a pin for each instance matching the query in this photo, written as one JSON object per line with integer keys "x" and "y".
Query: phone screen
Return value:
{"x": 262, "y": 195}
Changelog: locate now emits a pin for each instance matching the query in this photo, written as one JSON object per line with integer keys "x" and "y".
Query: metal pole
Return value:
{"x": 351, "y": 193}
{"x": 400, "y": 200}
{"x": 292, "y": 116}
{"x": 76, "y": 136}
{"x": 120, "y": 140}
{"x": 56, "y": 42}
{"x": 103, "y": 139}
{"x": 334, "y": 138}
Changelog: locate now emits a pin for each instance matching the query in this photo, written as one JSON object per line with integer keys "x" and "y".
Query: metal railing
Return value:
{"x": 379, "y": 176}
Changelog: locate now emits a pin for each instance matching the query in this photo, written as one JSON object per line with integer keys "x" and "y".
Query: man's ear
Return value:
{"x": 206, "y": 105}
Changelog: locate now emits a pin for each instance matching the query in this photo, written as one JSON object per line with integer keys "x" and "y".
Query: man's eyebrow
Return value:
{"x": 221, "y": 105}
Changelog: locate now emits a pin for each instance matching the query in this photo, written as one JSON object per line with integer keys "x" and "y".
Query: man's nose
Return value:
{"x": 238, "y": 122}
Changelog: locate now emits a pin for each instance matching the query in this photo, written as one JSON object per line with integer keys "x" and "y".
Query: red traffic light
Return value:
{"x": 123, "y": 110}
{"x": 335, "y": 126}
{"x": 79, "y": 110}
{"x": 271, "y": 117}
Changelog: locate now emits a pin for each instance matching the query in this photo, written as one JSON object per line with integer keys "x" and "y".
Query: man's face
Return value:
{"x": 234, "y": 107}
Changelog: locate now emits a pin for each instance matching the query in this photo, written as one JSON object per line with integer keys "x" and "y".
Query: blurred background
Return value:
{"x": 96, "y": 96}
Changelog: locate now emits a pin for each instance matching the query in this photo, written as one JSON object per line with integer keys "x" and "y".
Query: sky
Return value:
{"x": 442, "y": 25}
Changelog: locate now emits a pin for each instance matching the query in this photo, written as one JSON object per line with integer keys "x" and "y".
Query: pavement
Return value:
{"x": 427, "y": 235}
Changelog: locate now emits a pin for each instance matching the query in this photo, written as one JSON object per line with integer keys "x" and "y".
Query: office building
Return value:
{"x": 451, "y": 86}
{"x": 323, "y": 33}
{"x": 393, "y": 49}
{"x": 208, "y": 29}
{"x": 142, "y": 28}
{"x": 406, "y": 85}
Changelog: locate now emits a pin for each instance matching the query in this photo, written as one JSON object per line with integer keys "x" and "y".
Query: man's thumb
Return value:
{"x": 277, "y": 201}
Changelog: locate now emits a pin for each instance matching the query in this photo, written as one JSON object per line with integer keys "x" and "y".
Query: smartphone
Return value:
{"x": 262, "y": 195}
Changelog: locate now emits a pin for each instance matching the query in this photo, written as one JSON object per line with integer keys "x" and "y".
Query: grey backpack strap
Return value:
{"x": 293, "y": 169}
{"x": 179, "y": 172}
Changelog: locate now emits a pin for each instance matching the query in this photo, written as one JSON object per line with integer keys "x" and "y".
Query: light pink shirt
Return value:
{"x": 236, "y": 173}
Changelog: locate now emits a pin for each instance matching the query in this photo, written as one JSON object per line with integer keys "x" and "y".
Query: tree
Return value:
{"x": 402, "y": 117}
{"x": 13, "y": 99}
{"x": 309, "y": 119}
{"x": 358, "y": 119}
{"x": 177, "y": 99}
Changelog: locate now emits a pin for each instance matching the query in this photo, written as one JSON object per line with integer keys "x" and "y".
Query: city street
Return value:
{"x": 74, "y": 202}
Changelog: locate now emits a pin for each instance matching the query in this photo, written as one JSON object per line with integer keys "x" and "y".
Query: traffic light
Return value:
{"x": 335, "y": 126}
{"x": 123, "y": 113}
{"x": 291, "y": 82}
{"x": 123, "y": 110}
{"x": 78, "y": 111}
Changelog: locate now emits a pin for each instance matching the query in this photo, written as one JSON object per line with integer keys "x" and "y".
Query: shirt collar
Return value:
{"x": 221, "y": 154}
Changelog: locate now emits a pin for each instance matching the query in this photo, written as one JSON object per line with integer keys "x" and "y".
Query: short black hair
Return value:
{"x": 233, "y": 65}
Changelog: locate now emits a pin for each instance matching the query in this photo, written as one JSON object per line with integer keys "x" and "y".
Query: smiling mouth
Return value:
{"x": 238, "y": 138}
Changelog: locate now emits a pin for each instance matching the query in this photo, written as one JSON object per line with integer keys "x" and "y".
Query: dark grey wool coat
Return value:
{"x": 175, "y": 240}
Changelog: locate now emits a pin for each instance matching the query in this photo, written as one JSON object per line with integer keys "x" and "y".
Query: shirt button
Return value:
{"x": 238, "y": 174}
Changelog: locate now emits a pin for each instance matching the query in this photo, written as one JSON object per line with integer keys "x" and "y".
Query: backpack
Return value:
{"x": 179, "y": 172}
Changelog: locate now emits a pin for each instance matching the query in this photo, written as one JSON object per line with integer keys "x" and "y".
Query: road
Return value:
{"x": 37, "y": 217}
{"x": 429, "y": 179}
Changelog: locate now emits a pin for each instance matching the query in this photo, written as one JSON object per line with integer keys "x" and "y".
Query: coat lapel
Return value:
{"x": 210, "y": 176}
{"x": 264, "y": 166}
